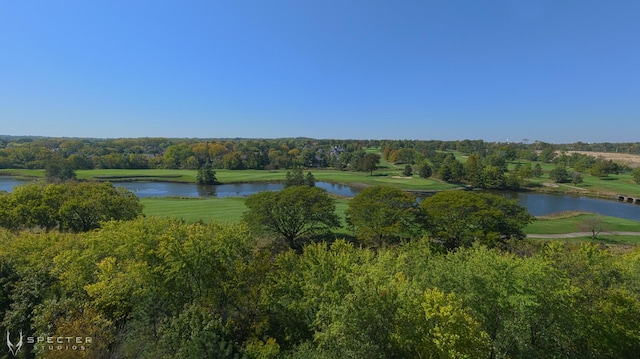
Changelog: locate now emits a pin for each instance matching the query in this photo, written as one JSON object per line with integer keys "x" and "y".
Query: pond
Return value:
{"x": 538, "y": 204}
{"x": 541, "y": 204}
{"x": 174, "y": 189}
{"x": 163, "y": 189}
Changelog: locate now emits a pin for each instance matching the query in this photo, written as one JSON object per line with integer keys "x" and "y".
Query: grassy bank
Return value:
{"x": 568, "y": 222}
{"x": 223, "y": 210}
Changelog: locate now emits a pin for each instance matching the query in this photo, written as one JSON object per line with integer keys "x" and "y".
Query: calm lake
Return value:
{"x": 171, "y": 189}
{"x": 537, "y": 204}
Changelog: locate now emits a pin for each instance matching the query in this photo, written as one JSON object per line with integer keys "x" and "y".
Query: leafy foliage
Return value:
{"x": 296, "y": 178}
{"x": 408, "y": 171}
{"x": 159, "y": 288}
{"x": 73, "y": 206}
{"x": 425, "y": 170}
{"x": 560, "y": 175}
{"x": 59, "y": 169}
{"x": 370, "y": 162}
{"x": 635, "y": 174}
{"x": 291, "y": 213}
{"x": 206, "y": 175}
{"x": 381, "y": 214}
{"x": 458, "y": 218}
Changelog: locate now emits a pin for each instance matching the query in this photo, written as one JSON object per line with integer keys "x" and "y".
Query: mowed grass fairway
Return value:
{"x": 114, "y": 175}
{"x": 221, "y": 210}
{"x": 571, "y": 221}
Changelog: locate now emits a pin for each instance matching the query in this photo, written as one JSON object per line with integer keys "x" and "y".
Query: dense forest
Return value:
{"x": 160, "y": 288}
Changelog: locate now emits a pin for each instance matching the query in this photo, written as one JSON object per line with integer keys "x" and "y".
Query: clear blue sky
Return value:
{"x": 555, "y": 71}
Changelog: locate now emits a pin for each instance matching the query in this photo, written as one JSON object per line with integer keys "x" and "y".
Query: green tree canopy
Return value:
{"x": 379, "y": 214}
{"x": 425, "y": 170}
{"x": 408, "y": 171}
{"x": 59, "y": 169}
{"x": 370, "y": 162}
{"x": 635, "y": 174}
{"x": 73, "y": 206}
{"x": 458, "y": 218}
{"x": 291, "y": 213}
{"x": 206, "y": 175}
{"x": 560, "y": 175}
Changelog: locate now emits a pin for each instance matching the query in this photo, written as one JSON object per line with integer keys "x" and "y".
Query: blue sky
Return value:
{"x": 497, "y": 70}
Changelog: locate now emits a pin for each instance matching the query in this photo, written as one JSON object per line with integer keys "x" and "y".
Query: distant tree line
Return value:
{"x": 476, "y": 163}
{"x": 129, "y": 153}
{"x": 498, "y": 165}
{"x": 143, "y": 153}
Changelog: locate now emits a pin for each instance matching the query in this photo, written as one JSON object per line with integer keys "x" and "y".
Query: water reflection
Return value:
{"x": 236, "y": 190}
{"x": 338, "y": 189}
{"x": 163, "y": 189}
{"x": 7, "y": 183}
{"x": 540, "y": 204}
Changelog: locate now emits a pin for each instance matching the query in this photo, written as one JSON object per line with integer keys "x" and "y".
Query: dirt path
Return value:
{"x": 580, "y": 234}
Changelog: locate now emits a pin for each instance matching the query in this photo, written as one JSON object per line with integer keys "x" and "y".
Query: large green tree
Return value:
{"x": 458, "y": 218}
{"x": 635, "y": 174}
{"x": 425, "y": 170}
{"x": 291, "y": 213}
{"x": 73, "y": 206}
{"x": 370, "y": 162}
{"x": 560, "y": 175}
{"x": 59, "y": 169}
{"x": 206, "y": 175}
{"x": 381, "y": 214}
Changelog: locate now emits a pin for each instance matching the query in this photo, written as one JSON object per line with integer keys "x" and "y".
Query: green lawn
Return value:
{"x": 222, "y": 210}
{"x": 569, "y": 222}
{"x": 603, "y": 238}
{"x": 22, "y": 172}
{"x": 164, "y": 175}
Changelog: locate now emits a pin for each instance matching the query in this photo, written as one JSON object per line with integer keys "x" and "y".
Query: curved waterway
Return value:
{"x": 541, "y": 204}
{"x": 163, "y": 189}
{"x": 538, "y": 204}
{"x": 175, "y": 189}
